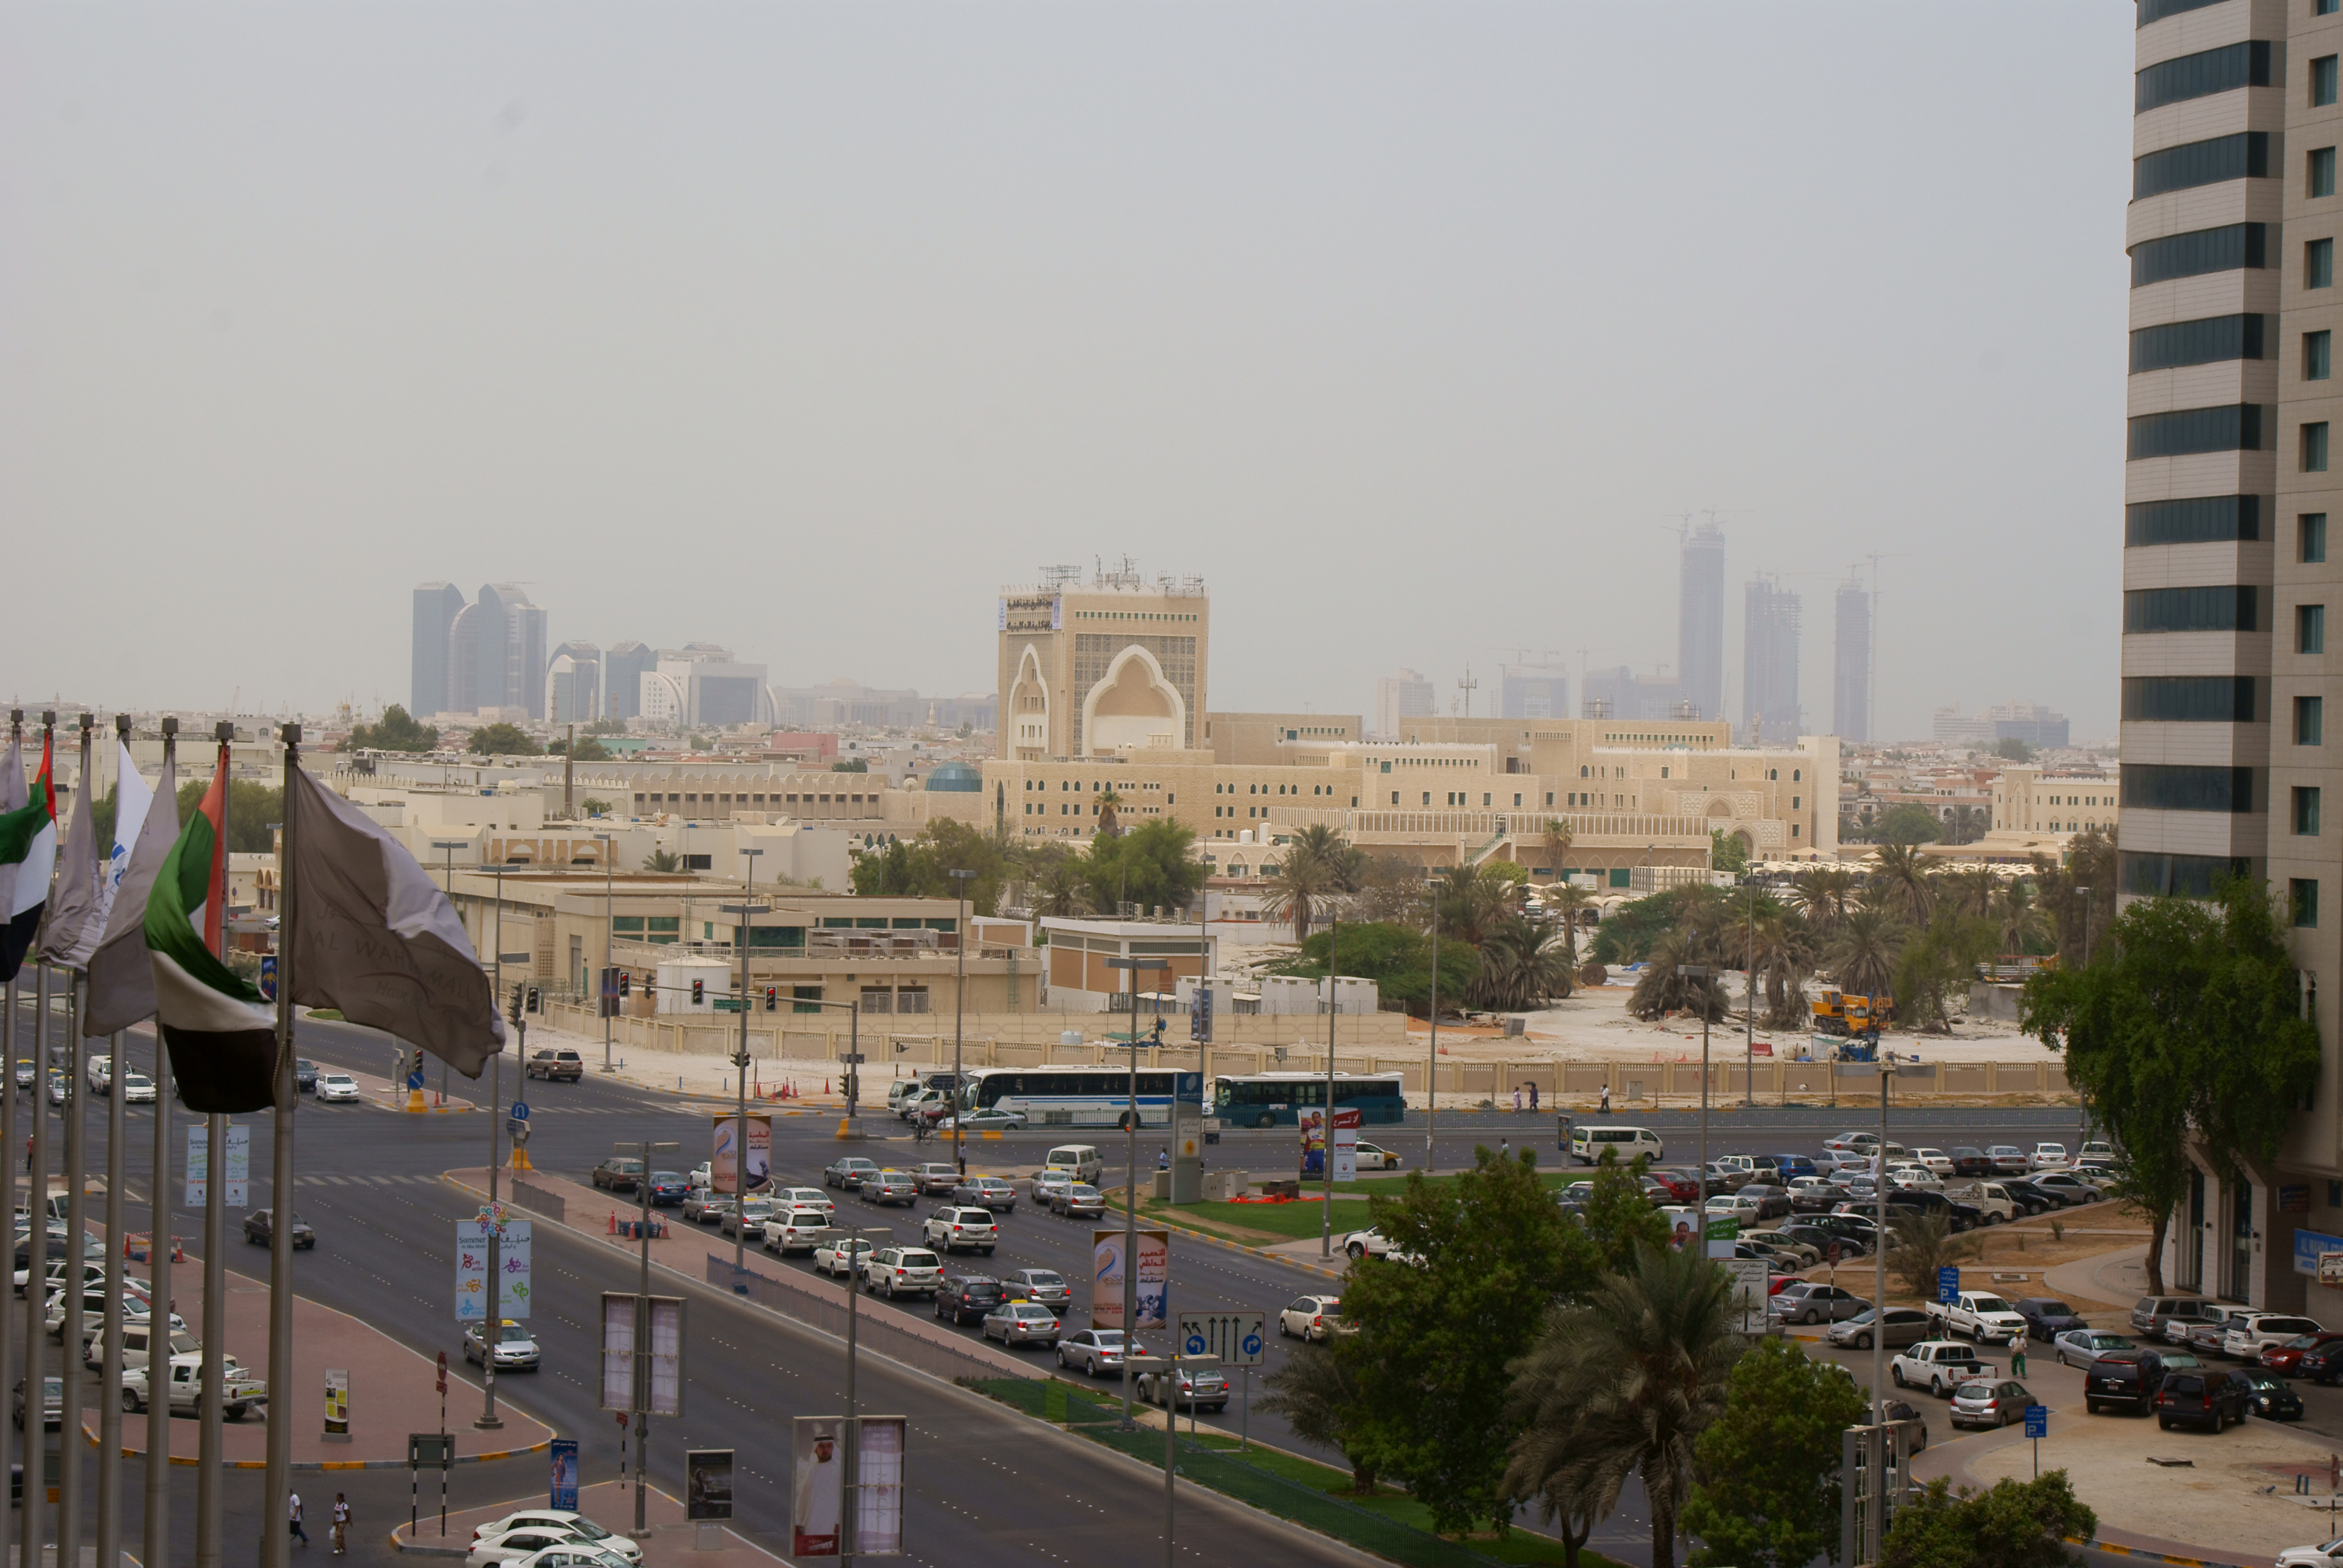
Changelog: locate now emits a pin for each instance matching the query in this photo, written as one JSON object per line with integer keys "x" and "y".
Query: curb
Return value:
{"x": 2142, "y": 1553}
{"x": 343, "y": 1463}
{"x": 1286, "y": 1259}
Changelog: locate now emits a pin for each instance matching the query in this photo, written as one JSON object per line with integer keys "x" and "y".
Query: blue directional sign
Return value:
{"x": 2038, "y": 1420}
{"x": 520, "y": 1111}
{"x": 414, "y": 1080}
{"x": 1948, "y": 1284}
{"x": 268, "y": 976}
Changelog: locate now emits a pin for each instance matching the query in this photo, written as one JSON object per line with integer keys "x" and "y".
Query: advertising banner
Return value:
{"x": 1313, "y": 1143}
{"x": 662, "y": 1369}
{"x": 337, "y": 1401}
{"x": 760, "y": 1144}
{"x": 513, "y": 1291}
{"x": 1154, "y": 1279}
{"x": 564, "y": 1490}
{"x": 239, "y": 1166}
{"x": 817, "y": 1492}
{"x": 707, "y": 1484}
{"x": 878, "y": 1477}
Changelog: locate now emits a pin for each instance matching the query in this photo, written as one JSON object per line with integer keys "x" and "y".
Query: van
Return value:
{"x": 1587, "y": 1143}
{"x": 1079, "y": 1159}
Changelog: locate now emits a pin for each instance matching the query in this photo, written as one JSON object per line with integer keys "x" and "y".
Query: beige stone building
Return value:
{"x": 2056, "y": 800}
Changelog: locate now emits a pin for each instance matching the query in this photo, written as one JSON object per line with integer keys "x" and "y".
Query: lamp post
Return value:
{"x": 447, "y": 890}
{"x": 494, "y": 1331}
{"x": 609, "y": 930}
{"x": 1326, "y": 1122}
{"x": 850, "y": 1480}
{"x": 959, "y": 991}
{"x": 1431, "y": 1053}
{"x": 1749, "y": 1005}
{"x": 640, "y": 1418}
{"x": 1130, "y": 1182}
{"x": 745, "y": 909}
{"x": 1885, "y": 1069}
{"x": 1699, "y": 974}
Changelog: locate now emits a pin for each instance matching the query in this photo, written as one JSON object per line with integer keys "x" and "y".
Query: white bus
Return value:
{"x": 1072, "y": 1096}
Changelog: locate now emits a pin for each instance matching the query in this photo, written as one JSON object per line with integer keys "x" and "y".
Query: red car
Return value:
{"x": 1681, "y": 1188}
{"x": 2286, "y": 1359}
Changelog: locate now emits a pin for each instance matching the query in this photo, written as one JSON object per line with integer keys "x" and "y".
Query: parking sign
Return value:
{"x": 1948, "y": 1284}
{"x": 2038, "y": 1420}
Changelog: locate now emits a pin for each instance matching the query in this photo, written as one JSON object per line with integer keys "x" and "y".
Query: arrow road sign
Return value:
{"x": 1234, "y": 1337}
{"x": 1948, "y": 1284}
{"x": 520, "y": 1111}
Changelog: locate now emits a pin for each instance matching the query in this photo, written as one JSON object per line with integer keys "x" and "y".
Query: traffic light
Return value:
{"x": 625, "y": 983}
{"x": 772, "y": 997}
{"x": 532, "y": 999}
{"x": 513, "y": 1009}
{"x": 699, "y": 992}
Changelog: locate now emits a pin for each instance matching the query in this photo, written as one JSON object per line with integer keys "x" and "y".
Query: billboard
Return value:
{"x": 513, "y": 1249}
{"x": 818, "y": 1488}
{"x": 1313, "y": 1143}
{"x": 760, "y": 1145}
{"x": 707, "y": 1484}
{"x": 1154, "y": 1279}
{"x": 659, "y": 1386}
{"x": 563, "y": 1488}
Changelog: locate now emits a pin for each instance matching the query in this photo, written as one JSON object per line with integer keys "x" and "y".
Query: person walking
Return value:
{"x": 1517, "y": 1099}
{"x": 1606, "y": 1100}
{"x": 1532, "y": 1097}
{"x": 341, "y": 1523}
{"x": 1504, "y": 1148}
{"x": 293, "y": 1517}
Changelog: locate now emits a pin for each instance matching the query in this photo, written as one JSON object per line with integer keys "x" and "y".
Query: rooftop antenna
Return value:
{"x": 1467, "y": 686}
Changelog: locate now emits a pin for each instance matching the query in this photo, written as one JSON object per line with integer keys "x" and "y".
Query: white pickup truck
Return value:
{"x": 1940, "y": 1366}
{"x": 1979, "y": 1314}
{"x": 1987, "y": 1198}
{"x": 241, "y": 1393}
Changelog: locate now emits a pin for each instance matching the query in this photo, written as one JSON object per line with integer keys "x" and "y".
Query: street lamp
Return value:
{"x": 609, "y": 842}
{"x": 1885, "y": 1069}
{"x": 641, "y": 1417}
{"x": 959, "y": 991}
{"x": 746, "y": 908}
{"x": 850, "y": 1237}
{"x": 1699, "y": 974}
{"x": 1749, "y": 1004}
{"x": 1130, "y": 1182}
{"x": 447, "y": 890}
{"x": 494, "y": 1328}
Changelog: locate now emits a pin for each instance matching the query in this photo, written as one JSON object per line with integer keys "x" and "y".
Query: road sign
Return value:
{"x": 855, "y": 1057}
{"x": 430, "y": 1450}
{"x": 443, "y": 1374}
{"x": 268, "y": 976}
{"x": 1234, "y": 1337}
{"x": 520, "y": 1111}
{"x": 2038, "y": 1420}
{"x": 415, "y": 1080}
{"x": 1948, "y": 1284}
{"x": 1748, "y": 1276}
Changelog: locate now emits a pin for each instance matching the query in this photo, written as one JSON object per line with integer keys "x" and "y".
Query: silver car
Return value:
{"x": 1078, "y": 1201}
{"x": 1905, "y": 1326}
{"x": 1198, "y": 1388}
{"x": 1814, "y": 1301}
{"x": 2081, "y": 1347}
{"x": 1046, "y": 1286}
{"x": 1045, "y": 1181}
{"x": 1022, "y": 1323}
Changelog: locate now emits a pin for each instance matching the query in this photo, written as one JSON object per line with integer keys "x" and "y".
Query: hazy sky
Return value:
{"x": 1412, "y": 329}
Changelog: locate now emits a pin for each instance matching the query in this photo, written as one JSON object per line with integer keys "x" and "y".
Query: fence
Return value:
{"x": 825, "y": 1310}
{"x": 539, "y": 1200}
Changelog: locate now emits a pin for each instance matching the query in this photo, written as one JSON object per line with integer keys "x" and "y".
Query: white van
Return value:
{"x": 1081, "y": 1159}
{"x": 1587, "y": 1143}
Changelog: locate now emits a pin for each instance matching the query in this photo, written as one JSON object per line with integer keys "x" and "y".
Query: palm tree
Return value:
{"x": 663, "y": 862}
{"x": 1315, "y": 1395}
{"x": 1785, "y": 957}
{"x": 1903, "y": 870}
{"x": 1822, "y": 893}
{"x": 2018, "y": 916}
{"x": 1557, "y": 843}
{"x": 1625, "y": 1383}
{"x": 1864, "y": 952}
{"x": 1106, "y": 803}
{"x": 1661, "y": 990}
{"x": 1568, "y": 902}
{"x": 1970, "y": 892}
{"x": 1061, "y": 889}
{"x": 1522, "y": 964}
{"x": 1316, "y": 866}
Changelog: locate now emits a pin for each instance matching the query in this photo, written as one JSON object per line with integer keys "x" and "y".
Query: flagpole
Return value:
{"x": 109, "y": 1395}
{"x": 213, "y": 1394}
{"x": 30, "y": 1531}
{"x": 8, "y": 1114}
{"x": 276, "y": 1542}
{"x": 77, "y": 1109}
{"x": 157, "y": 1474}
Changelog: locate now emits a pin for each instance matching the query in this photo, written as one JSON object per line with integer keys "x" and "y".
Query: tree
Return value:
{"x": 851, "y": 765}
{"x": 588, "y": 750}
{"x": 606, "y": 726}
{"x": 1397, "y": 958}
{"x": 663, "y": 862}
{"x": 598, "y": 807}
{"x": 1661, "y": 990}
{"x": 1823, "y": 892}
{"x": 1967, "y": 824}
{"x": 1626, "y": 1383}
{"x": 1556, "y": 843}
{"x": 1727, "y": 852}
{"x": 1941, "y": 956}
{"x": 1618, "y": 1217}
{"x": 2013, "y": 750}
{"x": 921, "y": 867}
{"x": 1059, "y": 889}
{"x": 1521, "y": 965}
{"x": 1920, "y": 1244}
{"x": 1316, "y": 868}
{"x": 1430, "y": 1357}
{"x": 1784, "y": 956}
{"x": 1318, "y": 1401}
{"x": 501, "y": 739}
{"x": 1863, "y": 954}
{"x": 2021, "y": 925}
{"x": 1147, "y": 865}
{"x": 252, "y": 809}
{"x": 2090, "y": 863}
{"x": 1106, "y": 803}
{"x": 1908, "y": 823}
{"x": 1765, "y": 1476}
{"x": 2015, "y": 1524}
{"x": 2187, "y": 1028}
{"x": 398, "y": 731}
{"x": 1901, "y": 875}
{"x": 1567, "y": 902}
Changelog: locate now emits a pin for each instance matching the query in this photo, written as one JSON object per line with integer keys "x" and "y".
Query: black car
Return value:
{"x": 668, "y": 1187}
{"x": 305, "y": 1075}
{"x": 256, "y": 1230}
{"x": 1851, "y": 1230}
{"x": 619, "y": 1174}
{"x": 2271, "y": 1398}
{"x": 2127, "y": 1380}
{"x": 1962, "y": 1216}
{"x": 966, "y": 1297}
{"x": 2322, "y": 1364}
{"x": 1773, "y": 1201}
{"x": 2028, "y": 1199}
{"x": 2046, "y": 1317}
{"x": 1969, "y": 1162}
{"x": 1821, "y": 1238}
{"x": 2215, "y": 1399}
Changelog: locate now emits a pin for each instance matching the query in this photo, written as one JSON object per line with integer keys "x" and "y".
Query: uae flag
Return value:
{"x": 28, "y": 853}
{"x": 221, "y": 1035}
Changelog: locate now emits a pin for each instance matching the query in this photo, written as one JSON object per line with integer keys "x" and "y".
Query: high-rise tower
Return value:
{"x": 436, "y": 606}
{"x": 1851, "y": 664}
{"x": 1769, "y": 672}
{"x": 1700, "y": 621}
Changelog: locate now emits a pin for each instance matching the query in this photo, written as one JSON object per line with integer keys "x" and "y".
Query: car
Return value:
{"x": 2067, "y": 1187}
{"x": 1375, "y": 1244}
{"x": 892, "y": 1271}
{"x": 1374, "y": 1157}
{"x": 1773, "y": 1201}
{"x": 2008, "y": 1160}
{"x": 97, "y": 1071}
{"x": 702, "y": 1207}
{"x": 1094, "y": 1351}
{"x": 2287, "y": 1359}
{"x": 1046, "y": 1286}
{"x": 839, "y": 1255}
{"x": 1318, "y": 1317}
{"x": 936, "y": 1180}
{"x": 2269, "y": 1396}
{"x": 515, "y": 1347}
{"x": 1904, "y": 1326}
{"x": 1969, "y": 1160}
{"x": 2327, "y": 1554}
{"x": 1937, "y": 1365}
{"x": 1788, "y": 1168}
{"x": 2048, "y": 1157}
{"x": 888, "y": 1187}
{"x": 1981, "y": 1316}
{"x": 305, "y": 1075}
{"x": 1915, "y": 1178}
{"x": 986, "y": 1192}
{"x": 2321, "y": 1363}
{"x": 1814, "y": 1301}
{"x": 1934, "y": 1160}
{"x": 1853, "y": 1231}
{"x": 746, "y": 1219}
{"x": 803, "y": 1198}
{"x": 701, "y": 1175}
{"x": 1806, "y": 1252}
{"x": 1829, "y": 1245}
{"x": 928, "y": 1105}
{"x": 955, "y": 1229}
{"x": 241, "y": 1393}
{"x": 58, "y": 1086}
{"x": 794, "y": 1230}
{"x": 1989, "y": 1402}
{"x": 2126, "y": 1379}
{"x": 1081, "y": 1161}
{"x": 1814, "y": 1194}
{"x": 137, "y": 1088}
{"x": 578, "y": 1524}
{"x": 1076, "y": 1201}
{"x": 847, "y": 1174}
{"x": 1022, "y": 1323}
{"x": 668, "y": 1189}
{"x": 337, "y": 1089}
{"x": 1041, "y": 1183}
{"x": 967, "y": 1298}
{"x": 2152, "y": 1316}
{"x": 1991, "y": 1201}
{"x": 560, "y": 1065}
{"x": 1197, "y": 1388}
{"x": 1734, "y": 1206}
{"x": 136, "y": 1337}
{"x": 2096, "y": 1149}
{"x": 2255, "y": 1333}
{"x": 2081, "y": 1347}
{"x": 53, "y": 1404}
{"x": 533, "y": 1545}
{"x": 98, "y": 1308}
{"x": 2203, "y": 1336}
{"x": 256, "y": 1231}
{"x": 1678, "y": 1185}
{"x": 26, "y": 1072}
{"x": 617, "y": 1174}
{"x": 984, "y": 1118}
{"x": 2210, "y": 1398}
{"x": 1737, "y": 1169}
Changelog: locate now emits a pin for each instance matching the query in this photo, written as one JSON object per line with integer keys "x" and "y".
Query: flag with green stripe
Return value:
{"x": 28, "y": 853}
{"x": 221, "y": 1034}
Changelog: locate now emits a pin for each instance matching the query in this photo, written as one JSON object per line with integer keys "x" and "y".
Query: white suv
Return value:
{"x": 2249, "y": 1335}
{"x": 953, "y": 1228}
{"x": 902, "y": 1271}
{"x": 794, "y": 1230}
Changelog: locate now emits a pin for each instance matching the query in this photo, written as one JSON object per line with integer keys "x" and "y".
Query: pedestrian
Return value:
{"x": 1606, "y": 1100}
{"x": 293, "y": 1514}
{"x": 341, "y": 1523}
{"x": 1504, "y": 1148}
{"x": 1517, "y": 1099}
{"x": 1532, "y": 1097}
{"x": 2017, "y": 1358}
{"x": 1163, "y": 1159}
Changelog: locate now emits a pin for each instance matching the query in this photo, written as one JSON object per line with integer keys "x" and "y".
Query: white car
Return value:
{"x": 1316, "y": 1318}
{"x": 337, "y": 1089}
{"x": 2249, "y": 1335}
{"x": 533, "y": 1545}
{"x": 894, "y": 1272}
{"x": 1940, "y": 1366}
{"x": 137, "y": 1088}
{"x": 1734, "y": 1206}
{"x": 1981, "y": 1316}
{"x": 99, "y": 1071}
{"x": 1917, "y": 1178}
{"x": 2048, "y": 1157}
{"x": 1373, "y": 1157}
{"x": 1375, "y": 1244}
{"x": 2097, "y": 1150}
{"x": 1046, "y": 1181}
{"x": 794, "y": 1230}
{"x": 952, "y": 1228}
{"x": 2326, "y": 1554}
{"x": 562, "y": 1519}
{"x": 839, "y": 1257}
{"x": 803, "y": 1198}
{"x": 1935, "y": 1160}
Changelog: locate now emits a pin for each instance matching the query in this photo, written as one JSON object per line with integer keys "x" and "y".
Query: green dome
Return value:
{"x": 957, "y": 776}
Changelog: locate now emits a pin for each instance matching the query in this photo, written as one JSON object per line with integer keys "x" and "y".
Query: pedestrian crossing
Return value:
{"x": 365, "y": 1182}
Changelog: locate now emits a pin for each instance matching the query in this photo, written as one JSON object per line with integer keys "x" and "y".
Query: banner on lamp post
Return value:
{"x": 1154, "y": 1279}
{"x": 726, "y": 1142}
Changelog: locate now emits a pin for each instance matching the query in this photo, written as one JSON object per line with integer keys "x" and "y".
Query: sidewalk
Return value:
{"x": 666, "y": 1543}
{"x": 392, "y": 1389}
{"x": 2118, "y": 1277}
